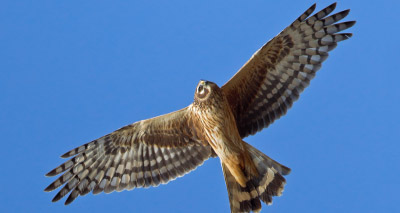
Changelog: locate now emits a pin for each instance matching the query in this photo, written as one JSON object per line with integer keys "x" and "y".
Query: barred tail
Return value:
{"x": 270, "y": 182}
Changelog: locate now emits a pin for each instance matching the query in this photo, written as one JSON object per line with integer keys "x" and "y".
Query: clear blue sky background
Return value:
{"x": 72, "y": 71}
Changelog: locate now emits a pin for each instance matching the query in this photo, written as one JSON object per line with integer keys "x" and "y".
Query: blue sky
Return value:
{"x": 72, "y": 71}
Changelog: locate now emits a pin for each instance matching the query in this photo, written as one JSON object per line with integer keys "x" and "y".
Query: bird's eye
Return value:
{"x": 200, "y": 89}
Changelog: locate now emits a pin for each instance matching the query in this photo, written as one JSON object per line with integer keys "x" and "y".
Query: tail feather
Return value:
{"x": 270, "y": 182}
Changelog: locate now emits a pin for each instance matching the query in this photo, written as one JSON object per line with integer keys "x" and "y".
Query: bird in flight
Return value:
{"x": 157, "y": 150}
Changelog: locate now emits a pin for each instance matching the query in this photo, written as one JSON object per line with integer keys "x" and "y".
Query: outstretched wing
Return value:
{"x": 268, "y": 84}
{"x": 143, "y": 154}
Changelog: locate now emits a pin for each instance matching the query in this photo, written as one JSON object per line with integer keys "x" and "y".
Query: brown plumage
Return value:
{"x": 157, "y": 150}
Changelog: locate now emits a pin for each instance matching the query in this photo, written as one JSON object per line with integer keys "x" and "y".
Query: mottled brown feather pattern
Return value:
{"x": 157, "y": 150}
{"x": 146, "y": 153}
{"x": 268, "y": 84}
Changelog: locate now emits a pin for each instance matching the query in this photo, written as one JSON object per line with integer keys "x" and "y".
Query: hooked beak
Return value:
{"x": 203, "y": 82}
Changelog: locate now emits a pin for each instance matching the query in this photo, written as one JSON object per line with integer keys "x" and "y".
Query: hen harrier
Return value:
{"x": 157, "y": 150}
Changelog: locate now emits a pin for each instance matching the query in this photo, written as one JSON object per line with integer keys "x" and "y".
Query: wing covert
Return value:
{"x": 145, "y": 153}
{"x": 268, "y": 84}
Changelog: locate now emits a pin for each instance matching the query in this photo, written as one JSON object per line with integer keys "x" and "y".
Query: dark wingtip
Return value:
{"x": 51, "y": 173}
{"x": 348, "y": 35}
{"x": 345, "y": 12}
{"x": 56, "y": 198}
{"x": 350, "y": 23}
{"x": 69, "y": 200}
{"x": 59, "y": 195}
{"x": 49, "y": 188}
{"x": 66, "y": 155}
{"x": 333, "y": 5}
{"x": 312, "y": 7}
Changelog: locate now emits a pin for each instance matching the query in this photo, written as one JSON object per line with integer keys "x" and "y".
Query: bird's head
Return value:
{"x": 206, "y": 90}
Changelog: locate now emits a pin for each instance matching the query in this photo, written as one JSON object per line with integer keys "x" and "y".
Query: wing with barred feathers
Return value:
{"x": 268, "y": 84}
{"x": 145, "y": 153}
